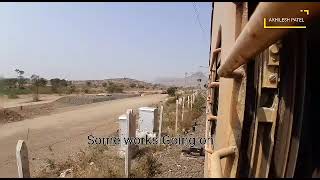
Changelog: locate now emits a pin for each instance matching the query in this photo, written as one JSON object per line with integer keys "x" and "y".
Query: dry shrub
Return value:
{"x": 198, "y": 106}
{"x": 191, "y": 115}
{"x": 105, "y": 164}
{"x": 7, "y": 115}
{"x": 169, "y": 115}
{"x": 53, "y": 169}
{"x": 169, "y": 119}
{"x": 171, "y": 100}
{"x": 96, "y": 162}
{"x": 146, "y": 165}
{"x": 187, "y": 122}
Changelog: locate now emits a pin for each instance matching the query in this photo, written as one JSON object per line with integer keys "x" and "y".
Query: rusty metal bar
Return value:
{"x": 216, "y": 160}
{"x": 254, "y": 38}
{"x": 209, "y": 150}
{"x": 211, "y": 117}
{"x": 213, "y": 84}
{"x": 214, "y": 52}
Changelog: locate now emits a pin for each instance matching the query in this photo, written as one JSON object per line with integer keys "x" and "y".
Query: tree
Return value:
{"x": 21, "y": 79}
{"x": 133, "y": 85}
{"x": 11, "y": 82}
{"x": 140, "y": 86}
{"x": 63, "y": 83}
{"x": 57, "y": 83}
{"x": 110, "y": 83}
{"x": 114, "y": 88}
{"x": 71, "y": 89}
{"x": 42, "y": 82}
{"x": 172, "y": 91}
{"x": 88, "y": 83}
{"x": 36, "y": 83}
{"x": 104, "y": 84}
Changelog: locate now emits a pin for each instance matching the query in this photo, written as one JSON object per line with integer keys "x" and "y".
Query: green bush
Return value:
{"x": 172, "y": 91}
{"x": 71, "y": 89}
{"x": 198, "y": 105}
{"x": 133, "y": 85}
{"x": 113, "y": 88}
{"x": 58, "y": 84}
{"x": 16, "y": 91}
{"x": 45, "y": 90}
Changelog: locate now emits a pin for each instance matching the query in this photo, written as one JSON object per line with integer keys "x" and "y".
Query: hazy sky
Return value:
{"x": 103, "y": 40}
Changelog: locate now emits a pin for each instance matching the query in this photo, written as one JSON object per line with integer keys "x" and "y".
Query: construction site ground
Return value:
{"x": 63, "y": 132}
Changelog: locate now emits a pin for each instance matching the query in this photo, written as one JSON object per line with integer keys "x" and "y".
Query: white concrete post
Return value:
{"x": 22, "y": 160}
{"x": 188, "y": 101}
{"x": 177, "y": 115}
{"x": 182, "y": 108}
{"x": 191, "y": 101}
{"x": 160, "y": 124}
{"x": 131, "y": 124}
{"x": 123, "y": 133}
{"x": 194, "y": 98}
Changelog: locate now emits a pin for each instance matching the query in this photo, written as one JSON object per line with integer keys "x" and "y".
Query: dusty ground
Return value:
{"x": 25, "y": 100}
{"x": 176, "y": 165}
{"x": 58, "y": 135}
{"x": 50, "y": 104}
{"x": 150, "y": 161}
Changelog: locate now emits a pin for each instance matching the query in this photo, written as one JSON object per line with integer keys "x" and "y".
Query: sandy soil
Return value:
{"x": 57, "y": 136}
{"x": 25, "y": 100}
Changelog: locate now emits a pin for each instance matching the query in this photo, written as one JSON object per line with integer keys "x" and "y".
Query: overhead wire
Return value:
{"x": 198, "y": 20}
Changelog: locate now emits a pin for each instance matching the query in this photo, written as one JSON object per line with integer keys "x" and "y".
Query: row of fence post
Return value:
{"x": 181, "y": 101}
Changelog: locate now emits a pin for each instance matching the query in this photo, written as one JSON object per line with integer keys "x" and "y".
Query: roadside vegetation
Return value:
{"x": 172, "y": 91}
{"x": 190, "y": 115}
{"x": 100, "y": 161}
{"x": 35, "y": 85}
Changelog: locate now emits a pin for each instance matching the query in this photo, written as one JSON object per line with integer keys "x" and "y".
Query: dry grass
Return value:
{"x": 146, "y": 164}
{"x": 169, "y": 115}
{"x": 169, "y": 119}
{"x": 103, "y": 162}
{"x": 97, "y": 162}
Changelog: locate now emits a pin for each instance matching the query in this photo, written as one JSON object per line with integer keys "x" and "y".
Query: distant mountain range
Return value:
{"x": 189, "y": 81}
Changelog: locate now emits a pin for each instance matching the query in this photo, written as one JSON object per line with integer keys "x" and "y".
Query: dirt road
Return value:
{"x": 59, "y": 135}
{"x": 25, "y": 100}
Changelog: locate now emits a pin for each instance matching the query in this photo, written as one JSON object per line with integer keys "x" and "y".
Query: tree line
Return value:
{"x": 21, "y": 84}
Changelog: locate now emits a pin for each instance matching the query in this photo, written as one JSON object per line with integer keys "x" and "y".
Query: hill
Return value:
{"x": 189, "y": 81}
{"x": 126, "y": 82}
